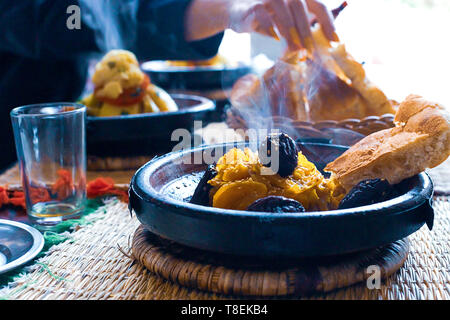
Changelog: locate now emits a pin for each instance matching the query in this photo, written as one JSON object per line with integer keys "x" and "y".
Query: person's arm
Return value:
{"x": 37, "y": 29}
{"x": 289, "y": 19}
{"x": 161, "y": 32}
{"x": 153, "y": 29}
{"x": 184, "y": 25}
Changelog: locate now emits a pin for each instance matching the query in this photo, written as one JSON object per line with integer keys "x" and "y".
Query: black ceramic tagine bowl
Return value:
{"x": 144, "y": 134}
{"x": 160, "y": 190}
{"x": 194, "y": 77}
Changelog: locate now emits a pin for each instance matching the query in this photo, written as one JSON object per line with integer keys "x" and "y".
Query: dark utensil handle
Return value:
{"x": 428, "y": 212}
{"x": 335, "y": 12}
{"x": 133, "y": 201}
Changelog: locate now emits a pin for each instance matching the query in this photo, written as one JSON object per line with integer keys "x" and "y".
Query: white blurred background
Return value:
{"x": 404, "y": 43}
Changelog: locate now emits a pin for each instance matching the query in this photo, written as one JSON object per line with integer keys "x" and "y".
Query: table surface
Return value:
{"x": 97, "y": 263}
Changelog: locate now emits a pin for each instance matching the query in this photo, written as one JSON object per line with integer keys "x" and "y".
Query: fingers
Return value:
{"x": 262, "y": 22}
{"x": 299, "y": 14}
{"x": 284, "y": 22}
{"x": 324, "y": 17}
{"x": 292, "y": 21}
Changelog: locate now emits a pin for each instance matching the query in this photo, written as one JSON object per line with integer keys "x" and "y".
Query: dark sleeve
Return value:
{"x": 160, "y": 33}
{"x": 38, "y": 30}
{"x": 153, "y": 29}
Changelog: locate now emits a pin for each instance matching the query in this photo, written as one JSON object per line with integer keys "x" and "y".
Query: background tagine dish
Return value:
{"x": 121, "y": 88}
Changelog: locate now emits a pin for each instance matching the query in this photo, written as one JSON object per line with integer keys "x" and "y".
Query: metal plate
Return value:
{"x": 19, "y": 243}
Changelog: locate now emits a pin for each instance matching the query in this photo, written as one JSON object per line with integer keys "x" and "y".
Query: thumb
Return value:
{"x": 257, "y": 19}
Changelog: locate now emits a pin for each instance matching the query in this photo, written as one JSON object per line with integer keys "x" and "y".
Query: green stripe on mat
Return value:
{"x": 58, "y": 235}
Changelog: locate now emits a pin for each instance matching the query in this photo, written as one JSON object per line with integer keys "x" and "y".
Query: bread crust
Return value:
{"x": 419, "y": 140}
{"x": 246, "y": 91}
{"x": 329, "y": 85}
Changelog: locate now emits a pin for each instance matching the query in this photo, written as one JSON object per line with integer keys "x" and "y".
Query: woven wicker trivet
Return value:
{"x": 249, "y": 277}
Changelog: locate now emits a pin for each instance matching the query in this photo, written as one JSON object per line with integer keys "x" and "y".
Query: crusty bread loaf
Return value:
{"x": 376, "y": 102}
{"x": 329, "y": 85}
{"x": 246, "y": 91}
{"x": 419, "y": 140}
{"x": 330, "y": 97}
{"x": 277, "y": 93}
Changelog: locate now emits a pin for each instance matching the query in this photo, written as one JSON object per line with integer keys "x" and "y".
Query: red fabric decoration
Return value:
{"x": 105, "y": 186}
{"x": 39, "y": 194}
{"x": 62, "y": 187}
{"x": 4, "y": 199}
{"x": 17, "y": 198}
{"x": 99, "y": 186}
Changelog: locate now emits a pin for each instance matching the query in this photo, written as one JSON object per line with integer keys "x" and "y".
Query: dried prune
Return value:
{"x": 281, "y": 148}
{"x": 201, "y": 193}
{"x": 368, "y": 192}
{"x": 276, "y": 204}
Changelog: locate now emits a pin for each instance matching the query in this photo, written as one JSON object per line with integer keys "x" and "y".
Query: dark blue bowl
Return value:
{"x": 192, "y": 77}
{"x": 160, "y": 189}
{"x": 147, "y": 133}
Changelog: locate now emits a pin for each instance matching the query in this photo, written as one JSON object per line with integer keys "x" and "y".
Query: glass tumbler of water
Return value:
{"x": 50, "y": 145}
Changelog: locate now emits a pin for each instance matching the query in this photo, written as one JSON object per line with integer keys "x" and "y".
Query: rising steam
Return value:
{"x": 114, "y": 22}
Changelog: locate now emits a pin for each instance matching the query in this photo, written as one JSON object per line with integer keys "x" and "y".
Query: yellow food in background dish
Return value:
{"x": 214, "y": 61}
{"x": 121, "y": 88}
{"x": 118, "y": 70}
{"x": 239, "y": 182}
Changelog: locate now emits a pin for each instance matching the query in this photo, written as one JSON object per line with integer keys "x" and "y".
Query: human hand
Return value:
{"x": 290, "y": 19}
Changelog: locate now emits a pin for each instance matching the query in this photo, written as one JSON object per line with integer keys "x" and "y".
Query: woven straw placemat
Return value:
{"x": 245, "y": 276}
{"x": 95, "y": 264}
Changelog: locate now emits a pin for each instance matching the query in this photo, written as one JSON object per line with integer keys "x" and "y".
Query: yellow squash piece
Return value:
{"x": 239, "y": 182}
{"x": 161, "y": 98}
{"x": 110, "y": 110}
{"x": 239, "y": 194}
